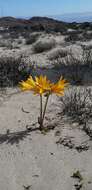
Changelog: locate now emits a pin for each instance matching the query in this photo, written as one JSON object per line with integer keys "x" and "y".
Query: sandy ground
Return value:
{"x": 34, "y": 159}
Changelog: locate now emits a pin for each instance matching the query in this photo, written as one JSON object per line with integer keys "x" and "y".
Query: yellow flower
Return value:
{"x": 58, "y": 88}
{"x": 24, "y": 86}
{"x": 39, "y": 85}
{"x": 43, "y": 84}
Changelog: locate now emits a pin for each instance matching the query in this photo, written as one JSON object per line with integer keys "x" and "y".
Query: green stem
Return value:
{"x": 45, "y": 108}
{"x": 41, "y": 112}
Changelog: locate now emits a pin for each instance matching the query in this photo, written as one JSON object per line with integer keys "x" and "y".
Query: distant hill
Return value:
{"x": 34, "y": 24}
{"x": 43, "y": 24}
{"x": 74, "y": 17}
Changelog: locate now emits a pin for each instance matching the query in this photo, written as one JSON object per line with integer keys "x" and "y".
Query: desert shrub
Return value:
{"x": 6, "y": 43}
{"x": 20, "y": 41}
{"x": 44, "y": 45}
{"x": 12, "y": 70}
{"x": 75, "y": 69}
{"x": 14, "y": 34}
{"x": 77, "y": 104}
{"x": 10, "y": 43}
{"x": 32, "y": 38}
{"x": 57, "y": 53}
{"x": 87, "y": 55}
{"x": 72, "y": 37}
{"x": 70, "y": 68}
{"x": 87, "y": 36}
{"x": 87, "y": 48}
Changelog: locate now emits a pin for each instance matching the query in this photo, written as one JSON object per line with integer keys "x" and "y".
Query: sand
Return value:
{"x": 30, "y": 158}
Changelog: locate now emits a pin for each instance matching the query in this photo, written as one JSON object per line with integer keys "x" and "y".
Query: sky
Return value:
{"x": 28, "y": 8}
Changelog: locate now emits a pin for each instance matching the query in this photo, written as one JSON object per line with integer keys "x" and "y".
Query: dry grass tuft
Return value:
{"x": 77, "y": 71}
{"x": 12, "y": 70}
{"x": 57, "y": 53}
{"x": 77, "y": 104}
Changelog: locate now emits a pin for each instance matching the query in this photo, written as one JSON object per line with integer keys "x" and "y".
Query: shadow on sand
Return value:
{"x": 16, "y": 137}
